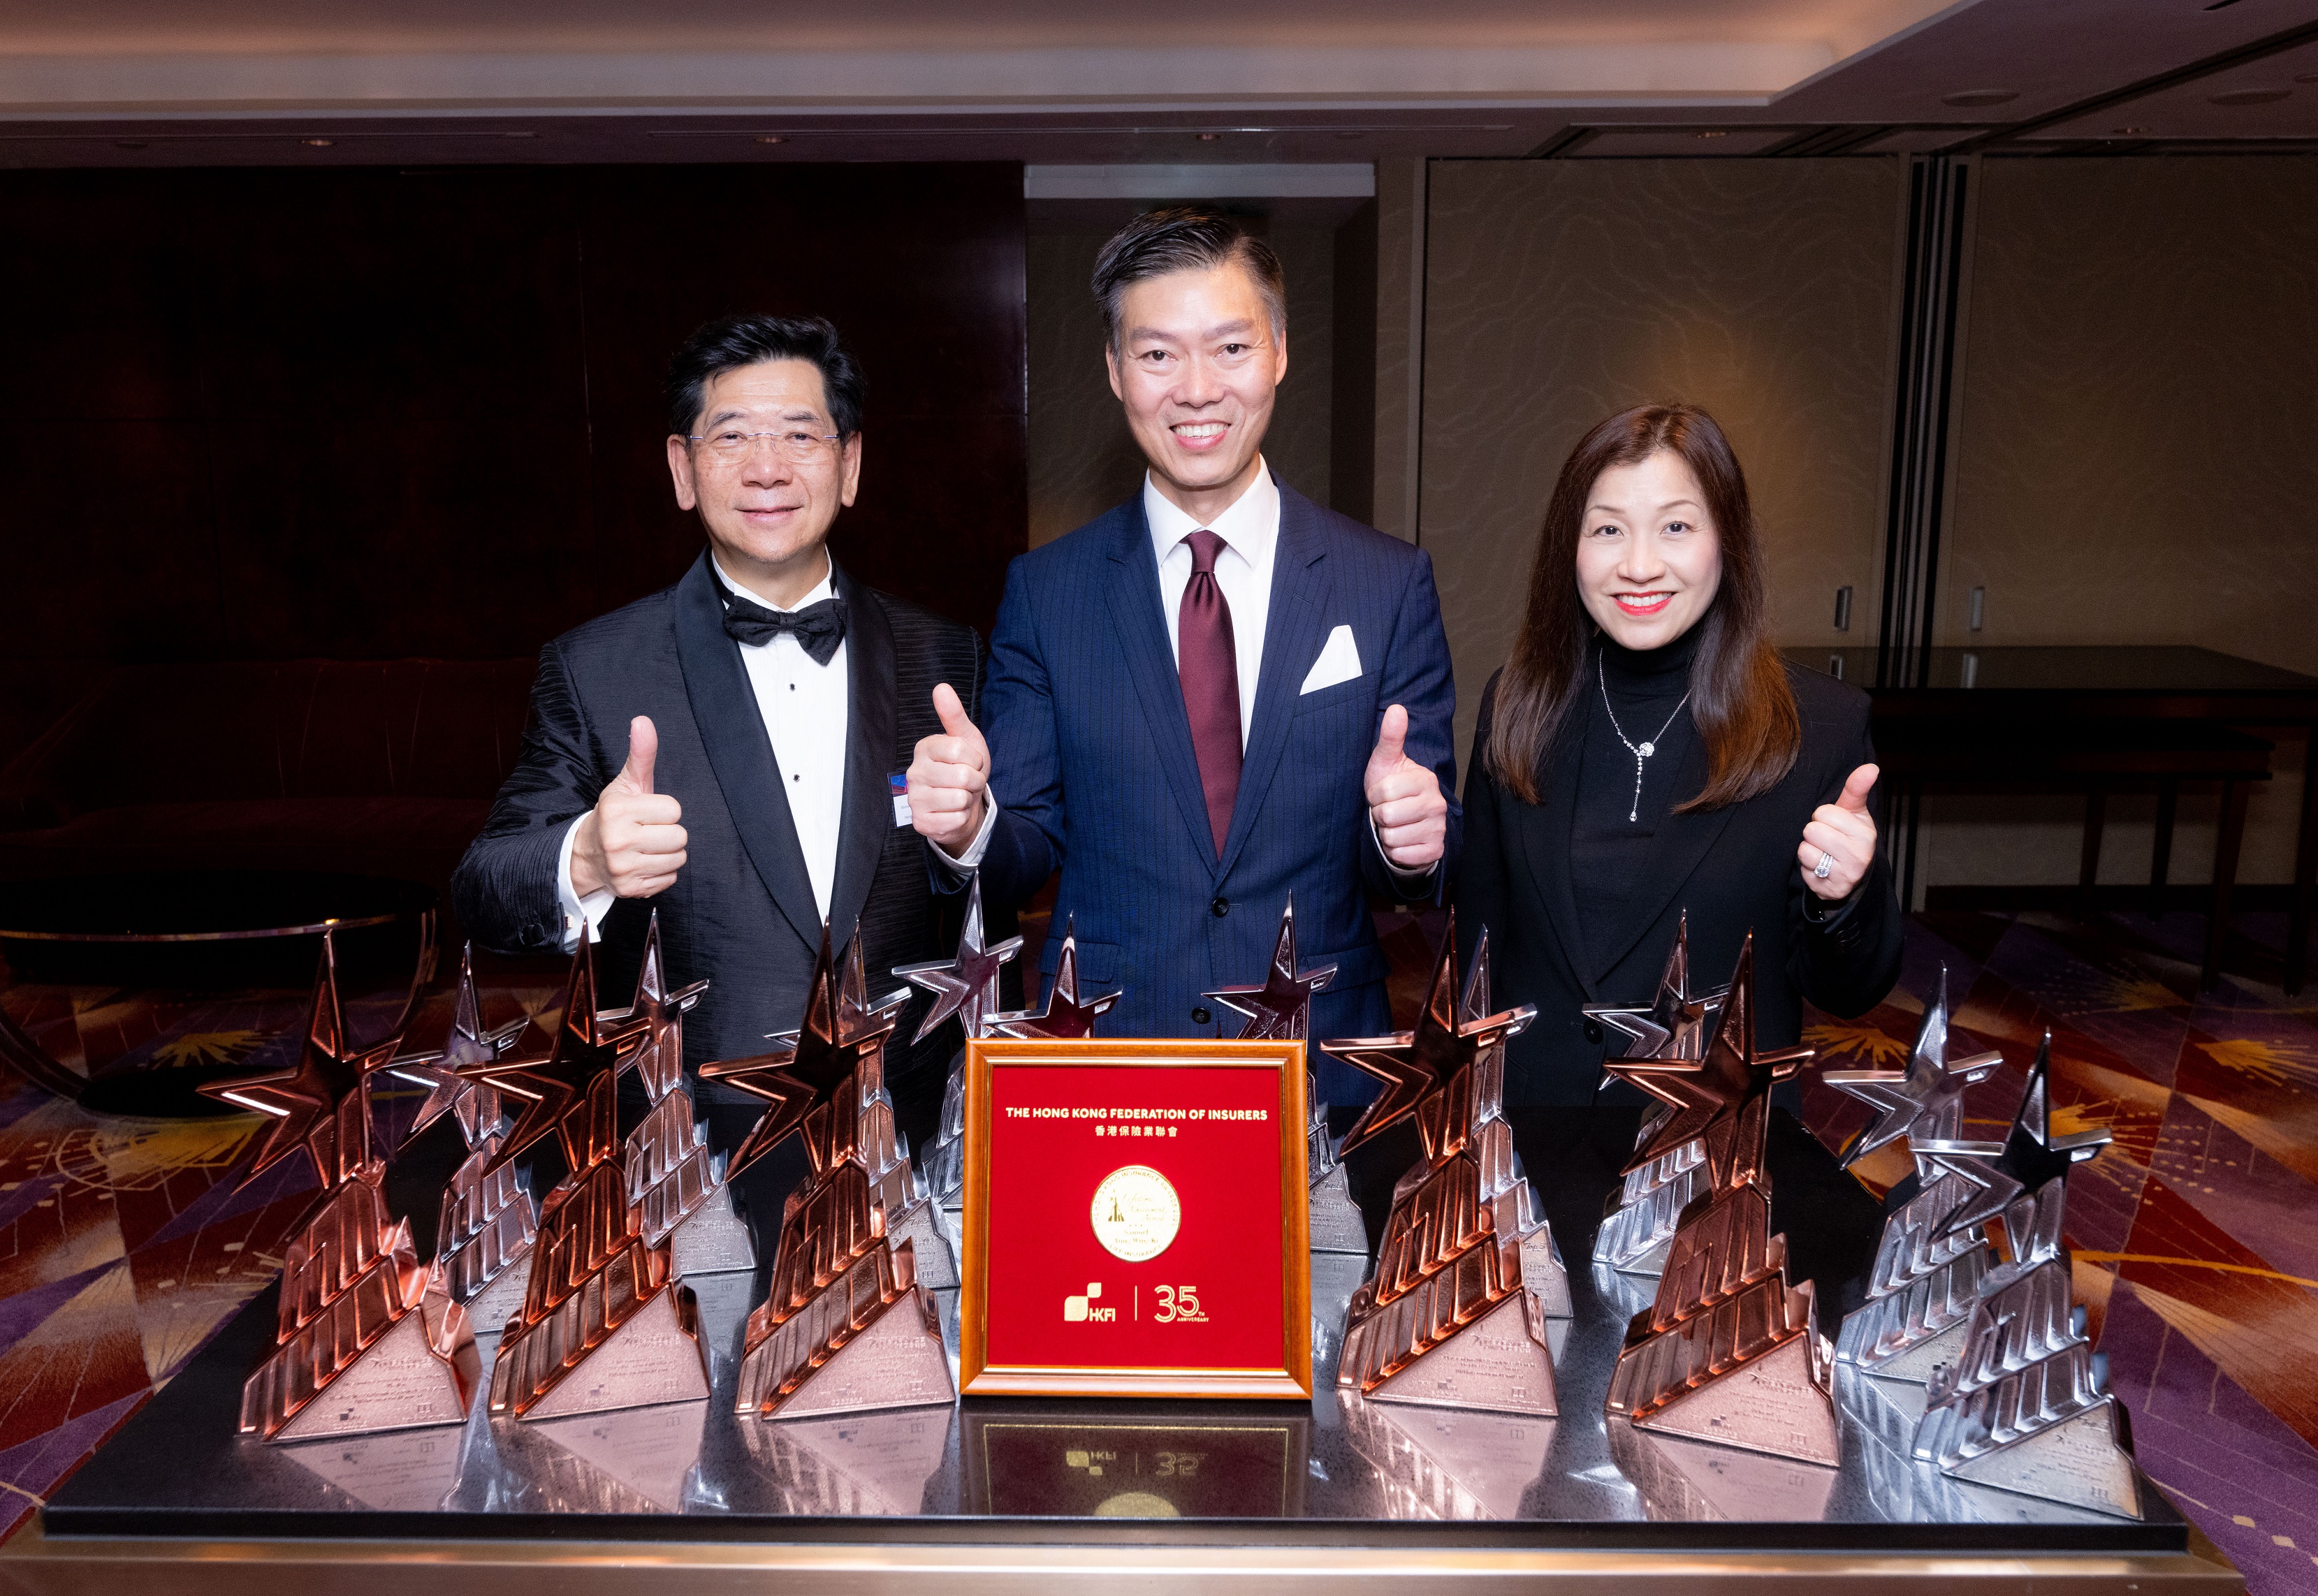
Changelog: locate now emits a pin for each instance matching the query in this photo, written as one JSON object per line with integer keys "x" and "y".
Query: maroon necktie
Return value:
{"x": 1209, "y": 669}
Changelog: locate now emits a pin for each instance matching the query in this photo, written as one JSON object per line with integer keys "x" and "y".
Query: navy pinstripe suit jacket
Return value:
{"x": 1092, "y": 764}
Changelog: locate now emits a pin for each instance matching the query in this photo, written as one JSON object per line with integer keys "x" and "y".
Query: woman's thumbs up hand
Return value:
{"x": 1838, "y": 843}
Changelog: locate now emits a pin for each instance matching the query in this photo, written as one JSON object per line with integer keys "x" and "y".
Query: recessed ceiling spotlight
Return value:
{"x": 1209, "y": 138}
{"x": 319, "y": 143}
{"x": 771, "y": 139}
{"x": 1979, "y": 96}
{"x": 2128, "y": 132}
{"x": 2251, "y": 96}
{"x": 1711, "y": 133}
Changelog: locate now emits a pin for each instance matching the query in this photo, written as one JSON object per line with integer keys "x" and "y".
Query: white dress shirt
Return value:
{"x": 805, "y": 708}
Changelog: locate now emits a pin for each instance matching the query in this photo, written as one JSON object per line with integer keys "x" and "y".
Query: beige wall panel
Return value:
{"x": 1559, "y": 292}
{"x": 2135, "y": 459}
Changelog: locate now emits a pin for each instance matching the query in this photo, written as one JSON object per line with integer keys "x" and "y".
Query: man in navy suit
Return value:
{"x": 1215, "y": 696}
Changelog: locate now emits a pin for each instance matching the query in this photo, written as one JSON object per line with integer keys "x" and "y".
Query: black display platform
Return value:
{"x": 1333, "y": 1473}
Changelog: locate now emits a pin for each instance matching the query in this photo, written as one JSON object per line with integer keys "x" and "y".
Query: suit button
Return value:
{"x": 1221, "y": 907}
{"x": 1200, "y": 1016}
{"x": 1594, "y": 1030}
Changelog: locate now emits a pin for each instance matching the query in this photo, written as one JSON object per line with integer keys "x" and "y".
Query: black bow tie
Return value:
{"x": 818, "y": 628}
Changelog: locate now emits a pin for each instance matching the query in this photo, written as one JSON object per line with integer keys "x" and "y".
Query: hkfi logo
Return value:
{"x": 1079, "y": 1310}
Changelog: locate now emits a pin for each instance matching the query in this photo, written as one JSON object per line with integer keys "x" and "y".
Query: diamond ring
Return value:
{"x": 1825, "y": 866}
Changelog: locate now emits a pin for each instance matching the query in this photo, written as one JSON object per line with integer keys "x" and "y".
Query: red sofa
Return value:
{"x": 379, "y": 767}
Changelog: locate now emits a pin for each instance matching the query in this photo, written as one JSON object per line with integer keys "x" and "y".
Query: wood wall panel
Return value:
{"x": 363, "y": 413}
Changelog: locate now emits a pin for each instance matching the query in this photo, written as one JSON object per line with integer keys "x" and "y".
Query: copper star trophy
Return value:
{"x": 846, "y": 1326}
{"x": 967, "y": 987}
{"x": 1727, "y": 1351}
{"x": 368, "y": 1338}
{"x": 2026, "y": 1407}
{"x": 1281, "y": 1010}
{"x": 672, "y": 1177}
{"x": 605, "y": 1321}
{"x": 1927, "y": 1270}
{"x": 1453, "y": 1315}
{"x": 489, "y": 1215}
{"x": 1639, "y": 1218}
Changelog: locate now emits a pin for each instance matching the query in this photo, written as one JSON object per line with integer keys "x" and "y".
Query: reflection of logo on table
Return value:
{"x": 1136, "y": 1213}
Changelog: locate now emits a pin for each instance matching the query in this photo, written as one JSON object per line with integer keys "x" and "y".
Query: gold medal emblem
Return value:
{"x": 1136, "y": 1213}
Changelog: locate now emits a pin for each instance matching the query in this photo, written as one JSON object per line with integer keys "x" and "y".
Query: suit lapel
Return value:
{"x": 1291, "y": 641}
{"x": 732, "y": 730}
{"x": 1676, "y": 851}
{"x": 1545, "y": 842}
{"x": 869, "y": 744}
{"x": 1134, "y": 599}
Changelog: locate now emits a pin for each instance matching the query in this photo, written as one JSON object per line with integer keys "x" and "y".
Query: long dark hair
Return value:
{"x": 1739, "y": 698}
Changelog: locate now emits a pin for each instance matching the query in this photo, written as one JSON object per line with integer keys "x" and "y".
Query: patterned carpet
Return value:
{"x": 124, "y": 1244}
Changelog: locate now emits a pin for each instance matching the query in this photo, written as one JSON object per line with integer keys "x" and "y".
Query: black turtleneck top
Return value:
{"x": 1608, "y": 852}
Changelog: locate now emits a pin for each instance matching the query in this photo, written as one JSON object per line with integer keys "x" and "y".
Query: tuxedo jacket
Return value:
{"x": 1091, "y": 764}
{"x": 1733, "y": 870}
{"x": 741, "y": 912}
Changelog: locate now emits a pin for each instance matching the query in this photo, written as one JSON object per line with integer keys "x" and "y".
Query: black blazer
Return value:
{"x": 741, "y": 912}
{"x": 1733, "y": 869}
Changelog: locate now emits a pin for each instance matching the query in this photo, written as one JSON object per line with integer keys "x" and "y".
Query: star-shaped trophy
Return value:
{"x": 476, "y": 1107}
{"x": 489, "y": 1215}
{"x": 361, "y": 1318}
{"x": 1413, "y": 1331}
{"x": 1281, "y": 1010}
{"x": 2025, "y": 1405}
{"x": 1927, "y": 1273}
{"x": 1727, "y": 1351}
{"x": 1638, "y": 1219}
{"x": 845, "y": 1325}
{"x": 1065, "y": 1016}
{"x": 967, "y": 984}
{"x": 673, "y": 1176}
{"x": 568, "y": 1094}
{"x": 605, "y": 1321}
{"x": 1999, "y": 1173}
{"x": 321, "y": 1104}
{"x": 802, "y": 1073}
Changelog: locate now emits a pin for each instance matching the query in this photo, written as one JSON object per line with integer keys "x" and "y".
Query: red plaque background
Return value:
{"x": 1053, "y": 1303}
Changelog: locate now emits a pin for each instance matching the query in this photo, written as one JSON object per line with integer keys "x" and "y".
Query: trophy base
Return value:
{"x": 1773, "y": 1404}
{"x": 399, "y": 1382}
{"x": 712, "y": 1240}
{"x": 920, "y": 1226}
{"x": 1337, "y": 1226}
{"x": 1910, "y": 1362}
{"x": 1500, "y": 1363}
{"x": 654, "y": 1357}
{"x": 2078, "y": 1462}
{"x": 894, "y": 1360}
{"x": 501, "y": 1297}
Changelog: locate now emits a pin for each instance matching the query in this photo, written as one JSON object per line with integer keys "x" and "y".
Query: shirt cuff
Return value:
{"x": 970, "y": 861}
{"x": 588, "y": 910}
{"x": 1411, "y": 879}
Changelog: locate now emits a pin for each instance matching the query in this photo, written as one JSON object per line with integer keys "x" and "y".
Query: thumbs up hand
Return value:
{"x": 632, "y": 841}
{"x": 949, "y": 777}
{"x": 1405, "y": 798}
{"x": 1838, "y": 843}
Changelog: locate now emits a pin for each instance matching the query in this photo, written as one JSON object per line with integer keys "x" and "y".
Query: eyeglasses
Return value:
{"x": 732, "y": 445}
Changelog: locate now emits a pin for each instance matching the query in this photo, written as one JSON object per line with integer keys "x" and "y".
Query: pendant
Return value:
{"x": 1646, "y": 749}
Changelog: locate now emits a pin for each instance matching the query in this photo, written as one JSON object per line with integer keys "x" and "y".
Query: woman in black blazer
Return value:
{"x": 1645, "y": 753}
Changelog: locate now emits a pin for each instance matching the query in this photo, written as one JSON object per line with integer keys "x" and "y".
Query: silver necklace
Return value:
{"x": 1641, "y": 751}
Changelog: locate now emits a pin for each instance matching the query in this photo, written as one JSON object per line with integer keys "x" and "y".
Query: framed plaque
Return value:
{"x": 1136, "y": 1220}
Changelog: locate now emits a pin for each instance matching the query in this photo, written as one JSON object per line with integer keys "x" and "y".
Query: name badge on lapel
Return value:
{"x": 900, "y": 783}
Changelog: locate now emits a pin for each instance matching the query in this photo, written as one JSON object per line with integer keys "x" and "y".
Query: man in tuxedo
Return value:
{"x": 725, "y": 750}
{"x": 1215, "y": 695}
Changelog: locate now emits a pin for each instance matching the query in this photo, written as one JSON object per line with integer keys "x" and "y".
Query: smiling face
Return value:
{"x": 1195, "y": 365}
{"x": 1649, "y": 561}
{"x": 767, "y": 516}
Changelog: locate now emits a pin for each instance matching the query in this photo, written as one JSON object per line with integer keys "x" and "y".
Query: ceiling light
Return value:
{"x": 1711, "y": 133}
{"x": 1209, "y": 138}
{"x": 1979, "y": 96}
{"x": 319, "y": 143}
{"x": 2128, "y": 132}
{"x": 2251, "y": 96}
{"x": 771, "y": 139}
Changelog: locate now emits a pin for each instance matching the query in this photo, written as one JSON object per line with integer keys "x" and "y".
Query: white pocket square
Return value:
{"x": 1339, "y": 661}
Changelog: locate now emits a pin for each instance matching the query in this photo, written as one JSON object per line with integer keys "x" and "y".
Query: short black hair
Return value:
{"x": 1184, "y": 239}
{"x": 732, "y": 342}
